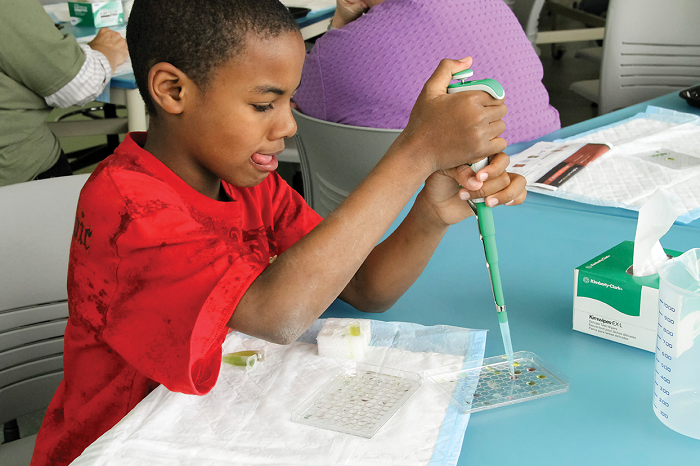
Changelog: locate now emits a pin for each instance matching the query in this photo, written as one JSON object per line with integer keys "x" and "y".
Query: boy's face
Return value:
{"x": 237, "y": 126}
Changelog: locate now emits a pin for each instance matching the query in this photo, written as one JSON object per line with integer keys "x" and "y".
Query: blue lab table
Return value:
{"x": 606, "y": 417}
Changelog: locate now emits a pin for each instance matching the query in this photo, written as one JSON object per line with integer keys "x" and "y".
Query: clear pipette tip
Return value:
{"x": 507, "y": 344}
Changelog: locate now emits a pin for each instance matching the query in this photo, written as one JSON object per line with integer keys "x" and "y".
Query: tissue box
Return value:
{"x": 611, "y": 303}
{"x": 96, "y": 14}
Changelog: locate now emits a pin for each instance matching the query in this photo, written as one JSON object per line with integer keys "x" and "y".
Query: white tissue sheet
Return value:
{"x": 659, "y": 148}
{"x": 246, "y": 418}
{"x": 655, "y": 218}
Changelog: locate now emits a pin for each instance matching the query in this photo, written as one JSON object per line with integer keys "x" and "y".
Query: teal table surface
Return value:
{"x": 606, "y": 417}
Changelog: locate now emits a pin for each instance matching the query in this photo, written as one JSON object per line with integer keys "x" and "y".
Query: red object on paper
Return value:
{"x": 564, "y": 170}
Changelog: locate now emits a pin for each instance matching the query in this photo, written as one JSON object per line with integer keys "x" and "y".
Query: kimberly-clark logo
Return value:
{"x": 597, "y": 262}
{"x": 596, "y": 282}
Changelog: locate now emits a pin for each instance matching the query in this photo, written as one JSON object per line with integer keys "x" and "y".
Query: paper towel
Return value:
{"x": 246, "y": 418}
{"x": 655, "y": 218}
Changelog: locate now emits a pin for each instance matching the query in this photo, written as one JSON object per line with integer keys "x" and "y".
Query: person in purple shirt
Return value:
{"x": 370, "y": 67}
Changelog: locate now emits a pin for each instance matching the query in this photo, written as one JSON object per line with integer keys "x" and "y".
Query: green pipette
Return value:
{"x": 487, "y": 230}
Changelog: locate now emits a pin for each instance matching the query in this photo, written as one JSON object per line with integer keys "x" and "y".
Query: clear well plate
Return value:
{"x": 474, "y": 389}
{"x": 358, "y": 400}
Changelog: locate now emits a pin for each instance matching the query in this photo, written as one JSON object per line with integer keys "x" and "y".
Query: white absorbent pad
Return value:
{"x": 246, "y": 418}
{"x": 659, "y": 148}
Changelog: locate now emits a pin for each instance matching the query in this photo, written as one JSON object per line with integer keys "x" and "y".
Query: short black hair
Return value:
{"x": 197, "y": 36}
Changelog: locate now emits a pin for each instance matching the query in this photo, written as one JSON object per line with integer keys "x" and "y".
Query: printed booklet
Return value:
{"x": 548, "y": 165}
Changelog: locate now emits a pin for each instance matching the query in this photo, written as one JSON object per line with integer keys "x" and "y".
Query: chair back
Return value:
{"x": 651, "y": 48}
{"x": 36, "y": 226}
{"x": 528, "y": 14}
{"x": 335, "y": 158}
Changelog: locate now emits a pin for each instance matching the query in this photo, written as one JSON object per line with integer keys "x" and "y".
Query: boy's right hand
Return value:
{"x": 448, "y": 130}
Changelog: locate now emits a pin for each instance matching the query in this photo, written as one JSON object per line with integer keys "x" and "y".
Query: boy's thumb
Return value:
{"x": 441, "y": 77}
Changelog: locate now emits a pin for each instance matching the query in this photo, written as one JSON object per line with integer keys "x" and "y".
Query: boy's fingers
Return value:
{"x": 512, "y": 194}
{"x": 487, "y": 99}
{"x": 496, "y": 109}
{"x": 497, "y": 165}
{"x": 497, "y": 127}
{"x": 496, "y": 146}
{"x": 474, "y": 182}
{"x": 490, "y": 188}
{"x": 490, "y": 115}
{"x": 441, "y": 77}
{"x": 479, "y": 104}
{"x": 464, "y": 175}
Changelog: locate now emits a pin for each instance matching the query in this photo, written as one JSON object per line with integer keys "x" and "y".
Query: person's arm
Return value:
{"x": 102, "y": 55}
{"x": 34, "y": 53}
{"x": 444, "y": 132}
{"x": 347, "y": 11}
{"x": 86, "y": 85}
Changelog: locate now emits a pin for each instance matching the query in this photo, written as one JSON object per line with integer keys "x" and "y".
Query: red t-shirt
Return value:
{"x": 156, "y": 270}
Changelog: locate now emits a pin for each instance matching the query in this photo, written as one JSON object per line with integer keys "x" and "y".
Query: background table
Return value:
{"x": 606, "y": 417}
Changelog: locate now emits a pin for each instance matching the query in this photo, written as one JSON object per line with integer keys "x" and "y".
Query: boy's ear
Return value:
{"x": 169, "y": 87}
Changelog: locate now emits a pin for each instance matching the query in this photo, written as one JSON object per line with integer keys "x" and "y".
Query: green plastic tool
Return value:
{"x": 491, "y": 86}
{"x": 247, "y": 359}
{"x": 487, "y": 229}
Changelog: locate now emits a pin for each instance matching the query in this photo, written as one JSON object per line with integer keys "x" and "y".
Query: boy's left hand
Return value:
{"x": 447, "y": 191}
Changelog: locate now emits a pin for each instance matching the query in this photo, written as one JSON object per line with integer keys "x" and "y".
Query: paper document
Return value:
{"x": 548, "y": 165}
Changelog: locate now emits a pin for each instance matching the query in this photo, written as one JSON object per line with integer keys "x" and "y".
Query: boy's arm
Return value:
{"x": 444, "y": 132}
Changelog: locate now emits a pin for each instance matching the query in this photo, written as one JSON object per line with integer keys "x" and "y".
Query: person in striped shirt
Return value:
{"x": 41, "y": 68}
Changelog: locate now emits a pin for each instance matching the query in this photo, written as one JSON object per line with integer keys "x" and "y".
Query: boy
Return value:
{"x": 187, "y": 230}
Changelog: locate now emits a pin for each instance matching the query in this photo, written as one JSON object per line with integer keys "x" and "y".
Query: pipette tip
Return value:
{"x": 505, "y": 333}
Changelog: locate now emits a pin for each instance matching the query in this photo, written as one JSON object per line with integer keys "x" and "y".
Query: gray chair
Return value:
{"x": 110, "y": 126}
{"x": 591, "y": 54}
{"x": 36, "y": 229}
{"x": 335, "y": 158}
{"x": 651, "y": 48}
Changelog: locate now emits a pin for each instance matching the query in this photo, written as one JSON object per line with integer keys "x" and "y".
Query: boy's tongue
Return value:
{"x": 268, "y": 162}
{"x": 261, "y": 159}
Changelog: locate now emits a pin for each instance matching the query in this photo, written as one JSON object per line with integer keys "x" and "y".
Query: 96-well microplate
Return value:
{"x": 358, "y": 400}
{"x": 490, "y": 386}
